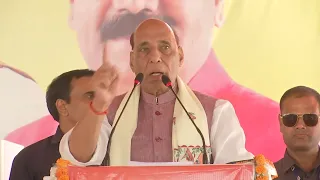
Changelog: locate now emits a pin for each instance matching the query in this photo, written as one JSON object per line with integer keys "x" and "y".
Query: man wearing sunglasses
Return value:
{"x": 299, "y": 125}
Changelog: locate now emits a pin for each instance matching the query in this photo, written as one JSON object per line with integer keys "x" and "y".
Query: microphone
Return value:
{"x": 167, "y": 82}
{"x": 137, "y": 81}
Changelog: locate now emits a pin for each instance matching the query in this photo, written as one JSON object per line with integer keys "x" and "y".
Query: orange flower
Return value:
{"x": 61, "y": 172}
{"x": 261, "y": 170}
{"x": 62, "y": 169}
{"x": 262, "y": 178}
{"x": 62, "y": 163}
{"x": 64, "y": 177}
{"x": 260, "y": 160}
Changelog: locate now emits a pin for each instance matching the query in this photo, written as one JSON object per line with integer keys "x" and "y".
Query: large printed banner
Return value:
{"x": 245, "y": 51}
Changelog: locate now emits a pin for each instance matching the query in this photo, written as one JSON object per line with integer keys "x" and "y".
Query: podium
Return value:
{"x": 195, "y": 172}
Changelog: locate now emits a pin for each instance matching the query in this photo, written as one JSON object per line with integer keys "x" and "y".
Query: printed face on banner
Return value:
{"x": 110, "y": 23}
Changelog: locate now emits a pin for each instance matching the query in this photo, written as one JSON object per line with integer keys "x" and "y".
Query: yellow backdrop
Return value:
{"x": 266, "y": 45}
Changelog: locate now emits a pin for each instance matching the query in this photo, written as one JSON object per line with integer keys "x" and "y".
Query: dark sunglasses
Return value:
{"x": 290, "y": 120}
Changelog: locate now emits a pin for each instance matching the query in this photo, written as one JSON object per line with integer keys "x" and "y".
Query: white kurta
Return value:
{"x": 227, "y": 139}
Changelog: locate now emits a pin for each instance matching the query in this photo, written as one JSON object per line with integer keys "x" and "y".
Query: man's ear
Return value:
{"x": 131, "y": 61}
{"x": 181, "y": 56}
{"x": 61, "y": 106}
{"x": 280, "y": 122}
{"x": 219, "y": 15}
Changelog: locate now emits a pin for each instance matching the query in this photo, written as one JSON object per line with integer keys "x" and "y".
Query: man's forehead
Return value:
{"x": 79, "y": 85}
{"x": 298, "y": 99}
{"x": 157, "y": 36}
{"x": 153, "y": 38}
{"x": 300, "y": 103}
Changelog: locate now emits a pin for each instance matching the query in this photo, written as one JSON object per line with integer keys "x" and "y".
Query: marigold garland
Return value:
{"x": 262, "y": 178}
{"x": 260, "y": 159}
{"x": 261, "y": 170}
{"x": 62, "y": 169}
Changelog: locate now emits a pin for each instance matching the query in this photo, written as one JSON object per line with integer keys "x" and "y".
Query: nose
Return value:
{"x": 155, "y": 56}
{"x": 300, "y": 124}
{"x": 134, "y": 6}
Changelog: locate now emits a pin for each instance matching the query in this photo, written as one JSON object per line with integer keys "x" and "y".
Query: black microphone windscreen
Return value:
{"x": 139, "y": 78}
{"x": 166, "y": 81}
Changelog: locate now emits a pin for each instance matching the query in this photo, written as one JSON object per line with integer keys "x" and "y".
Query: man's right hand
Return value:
{"x": 83, "y": 140}
{"x": 105, "y": 82}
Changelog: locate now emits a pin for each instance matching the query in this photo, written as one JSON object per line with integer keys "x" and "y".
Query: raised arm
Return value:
{"x": 83, "y": 139}
{"x": 227, "y": 136}
{"x": 98, "y": 155}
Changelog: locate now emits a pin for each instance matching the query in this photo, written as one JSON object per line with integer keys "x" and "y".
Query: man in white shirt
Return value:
{"x": 153, "y": 127}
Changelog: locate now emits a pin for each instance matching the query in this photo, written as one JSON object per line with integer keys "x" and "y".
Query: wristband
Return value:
{"x": 96, "y": 112}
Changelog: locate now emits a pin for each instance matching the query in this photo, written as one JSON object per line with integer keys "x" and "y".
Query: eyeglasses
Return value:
{"x": 290, "y": 120}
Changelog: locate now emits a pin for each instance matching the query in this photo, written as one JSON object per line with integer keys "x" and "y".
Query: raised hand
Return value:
{"x": 105, "y": 82}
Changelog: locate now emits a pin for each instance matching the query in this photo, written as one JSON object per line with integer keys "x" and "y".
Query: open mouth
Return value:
{"x": 156, "y": 73}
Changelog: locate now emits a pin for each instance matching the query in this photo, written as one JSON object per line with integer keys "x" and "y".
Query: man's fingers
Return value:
{"x": 104, "y": 80}
{"x": 107, "y": 67}
{"x": 114, "y": 86}
{"x": 104, "y": 77}
{"x": 105, "y": 57}
{"x": 106, "y": 91}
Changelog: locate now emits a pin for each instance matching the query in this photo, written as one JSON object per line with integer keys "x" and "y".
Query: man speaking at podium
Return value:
{"x": 154, "y": 126}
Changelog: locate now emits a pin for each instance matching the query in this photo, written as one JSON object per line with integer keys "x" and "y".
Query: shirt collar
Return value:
{"x": 161, "y": 99}
{"x": 289, "y": 163}
{"x": 57, "y": 136}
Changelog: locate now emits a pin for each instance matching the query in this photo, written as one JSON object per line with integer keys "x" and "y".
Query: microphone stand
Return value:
{"x": 106, "y": 160}
{"x": 167, "y": 82}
